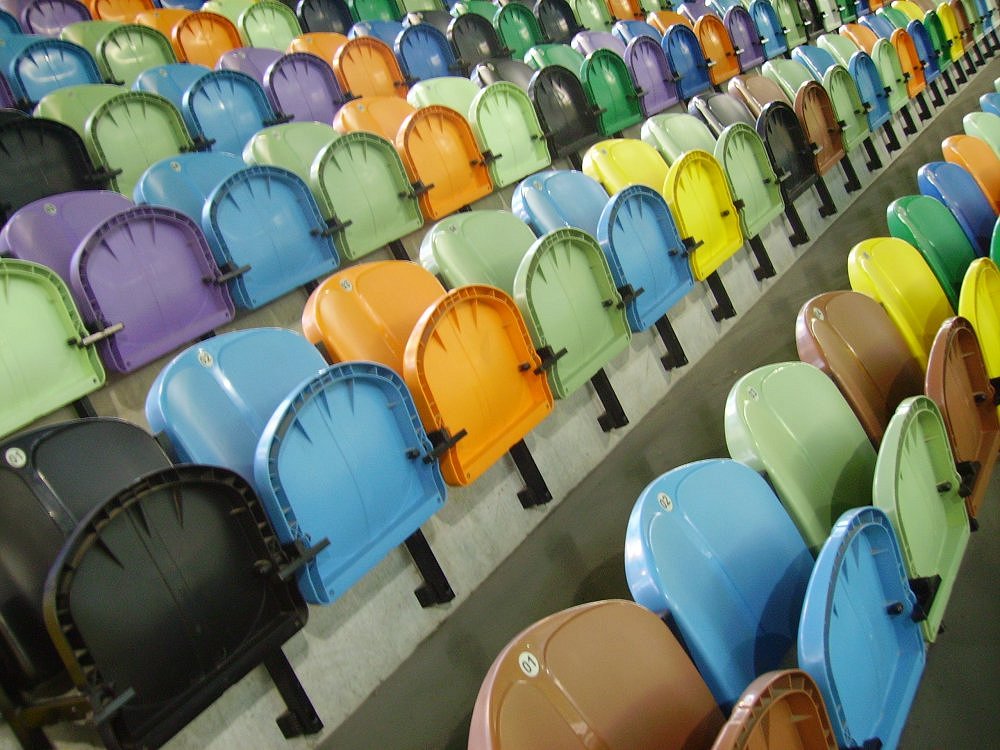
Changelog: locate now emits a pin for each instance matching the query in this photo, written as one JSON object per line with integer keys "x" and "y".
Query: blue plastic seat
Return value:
{"x": 35, "y": 66}
{"x": 185, "y": 181}
{"x": 990, "y": 102}
{"x": 929, "y": 56}
{"x": 170, "y": 81}
{"x": 559, "y": 198}
{"x": 769, "y": 26}
{"x": 879, "y": 24}
{"x": 424, "y": 52}
{"x": 816, "y": 59}
{"x": 856, "y": 636}
{"x": 9, "y": 25}
{"x": 956, "y": 189}
{"x": 686, "y": 60}
{"x": 226, "y": 108}
{"x": 870, "y": 89}
{"x": 710, "y": 545}
{"x": 385, "y": 31}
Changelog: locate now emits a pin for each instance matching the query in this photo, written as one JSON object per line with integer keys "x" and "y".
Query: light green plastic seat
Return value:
{"x": 41, "y": 365}
{"x": 750, "y": 176}
{"x": 130, "y": 49}
{"x": 839, "y": 46}
{"x": 518, "y": 29}
{"x": 362, "y": 181}
{"x": 789, "y": 74}
{"x": 87, "y": 34}
{"x": 791, "y": 423}
{"x": 592, "y": 14}
{"x": 619, "y": 162}
{"x": 886, "y": 59}
{"x": 985, "y": 126}
{"x": 543, "y": 55}
{"x": 74, "y": 105}
{"x": 673, "y": 134}
{"x": 231, "y": 9}
{"x": 268, "y": 24}
{"x": 929, "y": 226}
{"x": 609, "y": 87}
{"x": 451, "y": 91}
{"x": 916, "y": 484}
{"x": 506, "y": 125}
{"x": 477, "y": 247}
{"x": 293, "y": 146}
{"x": 568, "y": 298}
{"x": 791, "y": 20}
{"x": 847, "y": 106}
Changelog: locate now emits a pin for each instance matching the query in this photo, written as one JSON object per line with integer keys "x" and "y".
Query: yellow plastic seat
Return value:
{"x": 366, "y": 67}
{"x": 910, "y": 8}
{"x": 978, "y": 159}
{"x": 620, "y": 162}
{"x": 203, "y": 38}
{"x": 382, "y": 115}
{"x": 979, "y": 303}
{"x": 950, "y": 25}
{"x": 323, "y": 44}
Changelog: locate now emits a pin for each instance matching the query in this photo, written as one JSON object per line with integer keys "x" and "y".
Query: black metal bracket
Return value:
{"x": 84, "y": 408}
{"x": 629, "y": 294}
{"x": 299, "y": 555}
{"x": 300, "y": 718}
{"x": 967, "y": 471}
{"x": 398, "y": 251}
{"x": 826, "y": 205}
{"x": 765, "y": 268}
{"x": 723, "y": 304}
{"x": 443, "y": 441}
{"x": 891, "y": 139}
{"x": 799, "y": 234}
{"x": 923, "y": 111}
{"x": 199, "y": 143}
{"x": 549, "y": 359}
{"x": 691, "y": 244}
{"x": 435, "y": 589}
{"x": 909, "y": 127}
{"x": 536, "y": 491}
{"x": 852, "y": 182}
{"x": 228, "y": 272}
{"x": 874, "y": 162}
{"x": 675, "y": 356}
{"x": 949, "y": 85}
{"x": 925, "y": 589}
{"x": 614, "y": 415}
{"x": 280, "y": 118}
{"x": 936, "y": 98}
{"x": 82, "y": 342}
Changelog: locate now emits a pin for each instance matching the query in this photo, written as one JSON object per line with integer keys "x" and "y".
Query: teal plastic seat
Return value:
{"x": 751, "y": 177}
{"x": 506, "y": 126}
{"x": 170, "y": 81}
{"x": 268, "y": 24}
{"x": 609, "y": 86}
{"x": 374, "y": 10}
{"x": 543, "y": 55}
{"x": 791, "y": 423}
{"x": 453, "y": 92}
{"x": 673, "y": 134}
{"x": 128, "y": 50}
{"x": 34, "y": 66}
{"x": 985, "y": 126}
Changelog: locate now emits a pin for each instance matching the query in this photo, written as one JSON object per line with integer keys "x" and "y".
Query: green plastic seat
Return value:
{"x": 518, "y": 29}
{"x": 979, "y": 303}
{"x": 129, "y": 49}
{"x": 293, "y": 146}
{"x": 886, "y": 59}
{"x": 44, "y": 364}
{"x": 673, "y": 134}
{"x": 939, "y": 39}
{"x": 791, "y": 423}
{"x": 791, "y": 22}
{"x": 995, "y": 243}
{"x": 268, "y": 24}
{"x": 453, "y": 92}
{"x": 74, "y": 105}
{"x": 374, "y": 10}
{"x": 839, "y": 46}
{"x": 895, "y": 16}
{"x": 483, "y": 8}
{"x": 506, "y": 125}
{"x": 789, "y": 74}
{"x": 87, "y": 34}
{"x": 916, "y": 484}
{"x": 592, "y": 14}
{"x": 415, "y": 6}
{"x": 847, "y": 106}
{"x": 750, "y": 177}
{"x": 568, "y": 298}
{"x": 609, "y": 87}
{"x": 620, "y": 162}
{"x": 231, "y": 9}
{"x": 985, "y": 126}
{"x": 893, "y": 273}
{"x": 543, "y": 55}
{"x": 929, "y": 226}
{"x": 361, "y": 179}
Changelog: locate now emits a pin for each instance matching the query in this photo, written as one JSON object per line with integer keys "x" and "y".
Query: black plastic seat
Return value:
{"x": 324, "y": 15}
{"x": 565, "y": 113}
{"x": 495, "y": 71}
{"x": 557, "y": 20}
{"x": 474, "y": 40}
{"x": 719, "y": 111}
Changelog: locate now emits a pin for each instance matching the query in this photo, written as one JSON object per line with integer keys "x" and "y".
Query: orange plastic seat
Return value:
{"x": 366, "y": 67}
{"x": 323, "y": 44}
{"x": 118, "y": 10}
{"x": 626, "y": 10}
{"x": 382, "y": 115}
{"x": 163, "y": 20}
{"x": 439, "y": 152}
{"x": 756, "y": 91}
{"x": 909, "y": 62}
{"x": 978, "y": 159}
{"x": 661, "y": 20}
{"x": 604, "y": 675}
{"x": 717, "y": 48}
{"x": 203, "y": 38}
{"x": 957, "y": 382}
{"x": 862, "y": 36}
{"x": 815, "y": 111}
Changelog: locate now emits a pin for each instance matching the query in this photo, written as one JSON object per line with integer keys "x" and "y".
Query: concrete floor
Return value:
{"x": 575, "y": 555}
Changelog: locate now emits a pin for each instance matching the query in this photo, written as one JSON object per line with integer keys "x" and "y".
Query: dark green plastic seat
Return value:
{"x": 518, "y": 29}
{"x": 609, "y": 86}
{"x": 506, "y": 125}
{"x": 751, "y": 177}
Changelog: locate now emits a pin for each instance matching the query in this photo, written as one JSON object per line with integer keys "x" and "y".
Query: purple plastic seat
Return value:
{"x": 254, "y": 61}
{"x": 49, "y": 17}
{"x": 303, "y": 86}
{"x": 48, "y": 230}
{"x": 746, "y": 39}
{"x": 150, "y": 269}
{"x": 651, "y": 74}
{"x": 693, "y": 9}
{"x": 586, "y": 42}
{"x": 6, "y": 95}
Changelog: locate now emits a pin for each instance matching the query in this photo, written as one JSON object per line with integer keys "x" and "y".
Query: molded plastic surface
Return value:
{"x": 559, "y": 198}
{"x": 506, "y": 125}
{"x": 620, "y": 162}
{"x": 750, "y": 176}
{"x": 304, "y": 87}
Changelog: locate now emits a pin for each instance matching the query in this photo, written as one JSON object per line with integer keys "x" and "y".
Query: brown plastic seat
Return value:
{"x": 851, "y": 338}
{"x": 606, "y": 675}
{"x": 756, "y": 91}
{"x": 626, "y": 10}
{"x": 815, "y": 111}
{"x": 366, "y": 67}
{"x": 440, "y": 153}
{"x": 118, "y": 10}
{"x": 203, "y": 38}
{"x": 164, "y": 20}
{"x": 382, "y": 115}
{"x": 957, "y": 382}
{"x": 717, "y": 48}
{"x": 978, "y": 159}
{"x": 779, "y": 711}
{"x": 323, "y": 44}
{"x": 909, "y": 62}
{"x": 661, "y": 20}
{"x": 862, "y": 36}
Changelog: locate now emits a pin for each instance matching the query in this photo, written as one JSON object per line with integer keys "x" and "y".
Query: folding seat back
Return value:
{"x": 965, "y": 28}
{"x": 788, "y": 74}
{"x": 231, "y": 9}
{"x": 651, "y": 75}
{"x": 957, "y": 382}
{"x": 746, "y": 41}
{"x": 699, "y": 200}
{"x": 717, "y": 48}
{"x": 49, "y": 360}
{"x": 556, "y": 19}
{"x": 926, "y": 55}
{"x": 929, "y": 226}
{"x": 322, "y": 44}
{"x": 644, "y": 251}
{"x": 847, "y": 106}
{"x": 887, "y": 61}
{"x": 440, "y": 152}
{"x": 565, "y": 114}
{"x": 845, "y": 623}
{"x": 626, "y": 31}
{"x": 374, "y": 10}
{"x": 518, "y": 29}
{"x": 74, "y": 105}
{"x": 892, "y": 272}
{"x": 719, "y": 7}
{"x": 828, "y": 17}
{"x": 938, "y": 39}
{"x": 719, "y": 111}
{"x": 35, "y": 66}
{"x": 522, "y": 698}
{"x": 977, "y": 158}
{"x": 910, "y": 65}
{"x": 895, "y": 17}
{"x": 910, "y": 8}
{"x": 84, "y": 33}
{"x": 608, "y": 85}
{"x": 871, "y": 89}
{"x": 385, "y": 31}
{"x": 128, "y": 50}
{"x": 743, "y": 158}
{"x": 252, "y": 61}
{"x": 225, "y": 108}
{"x": 985, "y": 126}
{"x": 474, "y": 40}
{"x": 563, "y": 265}
{"x": 592, "y": 14}
{"x": 49, "y": 17}
{"x": 772, "y": 34}
{"x": 163, "y": 20}
{"x": 506, "y": 125}
{"x": 324, "y": 15}
{"x": 787, "y": 149}
{"x": 841, "y": 46}
{"x": 203, "y": 37}
{"x": 118, "y": 10}
{"x": 559, "y": 198}
{"x": 364, "y": 186}
{"x": 694, "y": 9}
{"x": 686, "y": 60}
{"x": 816, "y": 59}
{"x": 545, "y": 55}
{"x": 367, "y": 67}
{"x": 661, "y": 20}
{"x": 674, "y": 134}
{"x": 496, "y": 71}
{"x": 304, "y": 88}
{"x": 863, "y": 36}
{"x": 819, "y": 123}
{"x": 878, "y": 23}
{"x": 990, "y": 102}
{"x": 693, "y": 553}
{"x": 852, "y": 339}
{"x": 424, "y": 52}
{"x": 184, "y": 182}
{"x": 9, "y": 25}
{"x": 293, "y": 146}
{"x": 452, "y": 91}
{"x": 957, "y": 190}
{"x": 381, "y": 115}
{"x": 756, "y": 91}
{"x": 977, "y": 304}
{"x": 949, "y": 24}
{"x": 436, "y": 17}
{"x": 620, "y": 162}
{"x": 170, "y": 81}
{"x": 586, "y": 42}
{"x": 626, "y": 10}
{"x": 269, "y": 24}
